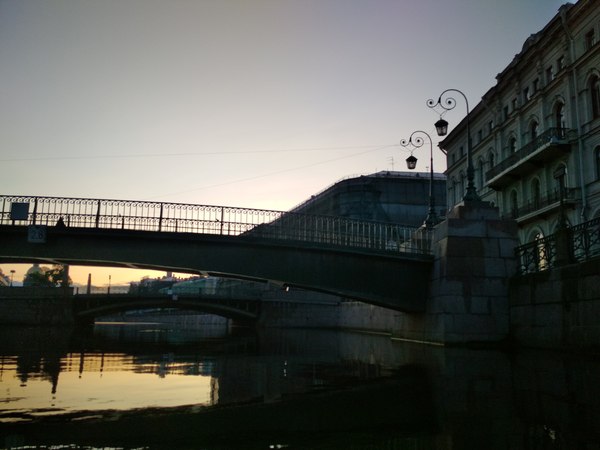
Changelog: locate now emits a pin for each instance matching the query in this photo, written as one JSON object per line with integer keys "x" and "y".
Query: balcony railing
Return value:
{"x": 552, "y": 198}
{"x": 582, "y": 243}
{"x": 545, "y": 139}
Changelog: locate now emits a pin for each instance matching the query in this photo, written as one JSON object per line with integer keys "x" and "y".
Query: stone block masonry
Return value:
{"x": 35, "y": 306}
{"x": 558, "y": 308}
{"x": 468, "y": 297}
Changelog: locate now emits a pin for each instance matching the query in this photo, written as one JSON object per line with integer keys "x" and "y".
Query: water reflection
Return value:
{"x": 157, "y": 386}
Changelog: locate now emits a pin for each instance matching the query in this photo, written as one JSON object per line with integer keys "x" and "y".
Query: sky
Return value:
{"x": 253, "y": 103}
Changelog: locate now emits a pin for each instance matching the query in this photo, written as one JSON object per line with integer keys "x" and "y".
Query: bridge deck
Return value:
{"x": 206, "y": 219}
{"x": 372, "y": 262}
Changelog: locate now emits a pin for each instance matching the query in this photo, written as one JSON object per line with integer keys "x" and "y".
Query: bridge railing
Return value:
{"x": 209, "y": 219}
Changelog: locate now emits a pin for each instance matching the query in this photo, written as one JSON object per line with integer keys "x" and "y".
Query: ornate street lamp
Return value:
{"x": 416, "y": 141}
{"x": 441, "y": 126}
{"x": 411, "y": 162}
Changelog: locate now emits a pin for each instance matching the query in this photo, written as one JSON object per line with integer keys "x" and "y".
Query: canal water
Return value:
{"x": 148, "y": 385}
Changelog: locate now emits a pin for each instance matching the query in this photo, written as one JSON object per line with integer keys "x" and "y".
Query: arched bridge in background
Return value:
{"x": 87, "y": 307}
{"x": 380, "y": 263}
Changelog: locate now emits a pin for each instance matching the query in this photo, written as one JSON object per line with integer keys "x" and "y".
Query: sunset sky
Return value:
{"x": 256, "y": 103}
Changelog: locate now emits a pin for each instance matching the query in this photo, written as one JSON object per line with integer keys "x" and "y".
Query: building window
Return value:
{"x": 595, "y": 96}
{"x": 560, "y": 63}
{"x": 526, "y": 95}
{"x": 536, "y": 85}
{"x": 491, "y": 159}
{"x": 590, "y": 39}
{"x": 490, "y": 127}
{"x": 461, "y": 150}
{"x": 541, "y": 254}
{"x": 514, "y": 104}
{"x": 505, "y": 112}
{"x": 480, "y": 173}
{"x": 512, "y": 145}
{"x": 533, "y": 130}
{"x": 479, "y": 136}
{"x": 559, "y": 116}
{"x": 549, "y": 75}
{"x": 565, "y": 177}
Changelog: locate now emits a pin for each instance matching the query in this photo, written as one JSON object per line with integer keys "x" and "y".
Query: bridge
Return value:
{"x": 379, "y": 263}
{"x": 86, "y": 307}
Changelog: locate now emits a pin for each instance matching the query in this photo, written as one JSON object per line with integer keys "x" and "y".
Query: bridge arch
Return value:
{"x": 85, "y": 312}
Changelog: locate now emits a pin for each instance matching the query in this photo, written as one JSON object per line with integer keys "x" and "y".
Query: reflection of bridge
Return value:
{"x": 380, "y": 263}
{"x": 89, "y": 306}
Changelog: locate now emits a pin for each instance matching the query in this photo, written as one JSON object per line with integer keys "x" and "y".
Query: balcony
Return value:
{"x": 542, "y": 207}
{"x": 548, "y": 146}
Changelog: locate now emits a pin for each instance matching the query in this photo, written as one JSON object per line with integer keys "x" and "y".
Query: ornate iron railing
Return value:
{"x": 207, "y": 219}
{"x": 585, "y": 239}
{"x": 551, "y": 135}
{"x": 582, "y": 243}
{"x": 536, "y": 256}
{"x": 530, "y": 206}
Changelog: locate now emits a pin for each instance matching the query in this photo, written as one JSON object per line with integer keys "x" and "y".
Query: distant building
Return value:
{"x": 395, "y": 197}
{"x": 540, "y": 121}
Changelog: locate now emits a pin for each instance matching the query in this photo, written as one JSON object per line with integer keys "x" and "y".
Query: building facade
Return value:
{"x": 387, "y": 196}
{"x": 536, "y": 134}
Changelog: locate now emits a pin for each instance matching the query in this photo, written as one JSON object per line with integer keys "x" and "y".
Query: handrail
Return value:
{"x": 215, "y": 220}
{"x": 552, "y": 197}
{"x": 551, "y": 135}
{"x": 582, "y": 243}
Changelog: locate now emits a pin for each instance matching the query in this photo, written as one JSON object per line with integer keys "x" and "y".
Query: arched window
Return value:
{"x": 480, "y": 173}
{"x": 595, "y": 96}
{"x": 561, "y": 171}
{"x": 512, "y": 145}
{"x": 457, "y": 191}
{"x": 559, "y": 115}
{"x": 491, "y": 159}
{"x": 533, "y": 130}
{"x": 541, "y": 255}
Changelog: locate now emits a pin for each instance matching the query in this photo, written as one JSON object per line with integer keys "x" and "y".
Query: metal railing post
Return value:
{"x": 160, "y": 219}
{"x": 98, "y": 215}
{"x": 35, "y": 206}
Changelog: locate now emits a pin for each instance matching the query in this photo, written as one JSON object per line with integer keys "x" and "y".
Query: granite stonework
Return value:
{"x": 557, "y": 308}
{"x": 468, "y": 298}
{"x": 36, "y": 306}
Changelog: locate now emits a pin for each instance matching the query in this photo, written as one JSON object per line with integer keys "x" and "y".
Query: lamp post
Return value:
{"x": 416, "y": 141}
{"x": 441, "y": 126}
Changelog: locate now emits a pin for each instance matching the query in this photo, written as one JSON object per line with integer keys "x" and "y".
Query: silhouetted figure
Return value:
{"x": 60, "y": 223}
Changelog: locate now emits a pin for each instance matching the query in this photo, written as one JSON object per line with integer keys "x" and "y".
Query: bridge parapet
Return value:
{"x": 209, "y": 219}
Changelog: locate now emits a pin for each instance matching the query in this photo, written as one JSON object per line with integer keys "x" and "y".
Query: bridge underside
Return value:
{"x": 394, "y": 281}
{"x": 111, "y": 305}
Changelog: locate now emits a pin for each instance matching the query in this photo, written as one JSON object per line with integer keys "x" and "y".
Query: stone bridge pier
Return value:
{"x": 467, "y": 297}
{"x": 469, "y": 283}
